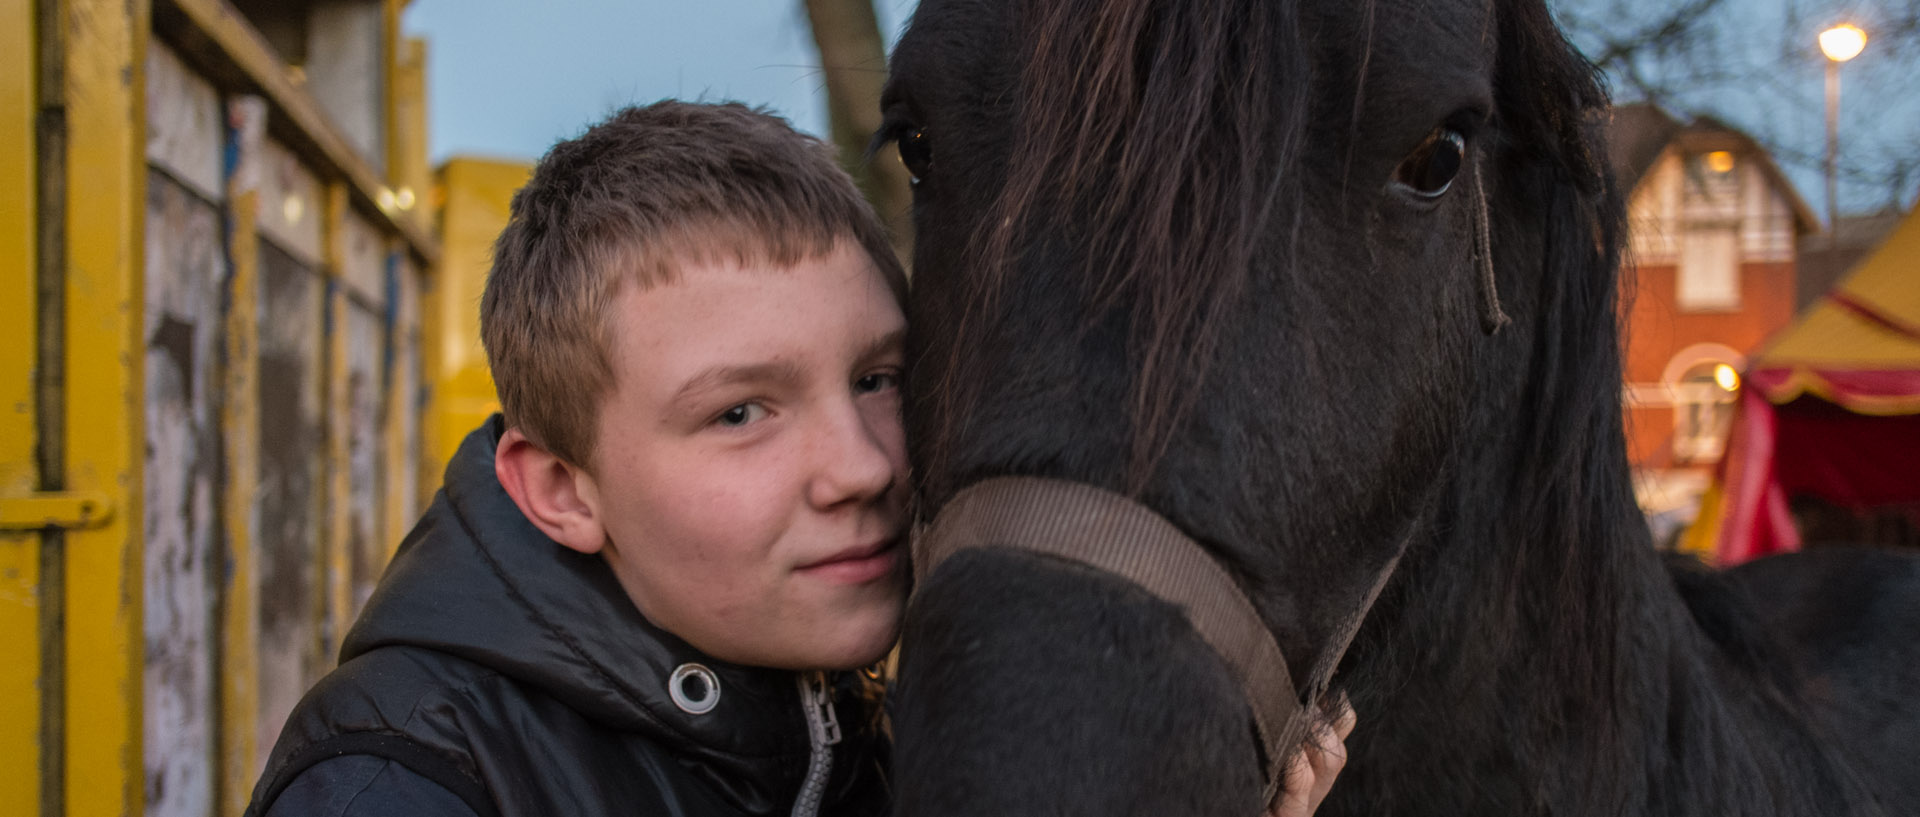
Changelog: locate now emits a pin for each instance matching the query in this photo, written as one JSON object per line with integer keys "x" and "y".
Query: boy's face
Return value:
{"x": 751, "y": 469}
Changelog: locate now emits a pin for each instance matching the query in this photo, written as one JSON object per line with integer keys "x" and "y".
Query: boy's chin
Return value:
{"x": 862, "y": 644}
{"x": 865, "y": 654}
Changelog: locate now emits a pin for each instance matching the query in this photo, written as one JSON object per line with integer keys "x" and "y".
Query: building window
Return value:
{"x": 1709, "y": 275}
{"x": 1711, "y": 189}
{"x": 1709, "y": 268}
{"x": 1703, "y": 401}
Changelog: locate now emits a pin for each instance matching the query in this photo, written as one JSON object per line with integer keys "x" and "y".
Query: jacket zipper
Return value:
{"x": 823, "y": 731}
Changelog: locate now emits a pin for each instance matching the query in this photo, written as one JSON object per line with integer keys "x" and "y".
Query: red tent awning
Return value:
{"x": 1831, "y": 409}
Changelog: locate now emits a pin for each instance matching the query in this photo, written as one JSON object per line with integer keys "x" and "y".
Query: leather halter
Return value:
{"x": 1110, "y": 532}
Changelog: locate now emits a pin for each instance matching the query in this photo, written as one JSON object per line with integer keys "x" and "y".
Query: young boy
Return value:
{"x": 643, "y": 588}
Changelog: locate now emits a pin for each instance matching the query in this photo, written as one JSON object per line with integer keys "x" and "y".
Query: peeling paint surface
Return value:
{"x": 402, "y": 404}
{"x": 345, "y": 74}
{"x": 364, "y": 261}
{"x": 290, "y": 202}
{"x": 292, "y": 601}
{"x": 364, "y": 546}
{"x": 184, "y": 129}
{"x": 183, "y": 314}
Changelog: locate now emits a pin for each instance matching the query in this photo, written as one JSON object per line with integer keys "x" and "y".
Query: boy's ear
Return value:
{"x": 557, "y": 497}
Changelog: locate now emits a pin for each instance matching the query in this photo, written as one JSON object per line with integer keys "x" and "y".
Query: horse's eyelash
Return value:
{"x": 891, "y": 127}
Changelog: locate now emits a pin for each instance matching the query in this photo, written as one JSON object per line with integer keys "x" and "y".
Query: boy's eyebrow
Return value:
{"x": 785, "y": 371}
{"x": 884, "y": 345}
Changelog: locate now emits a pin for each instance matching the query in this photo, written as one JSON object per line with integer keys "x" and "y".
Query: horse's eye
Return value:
{"x": 1429, "y": 170}
{"x": 916, "y": 152}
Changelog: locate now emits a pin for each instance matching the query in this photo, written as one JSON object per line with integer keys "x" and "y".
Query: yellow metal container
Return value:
{"x": 20, "y": 602}
{"x": 477, "y": 194}
{"x": 190, "y": 231}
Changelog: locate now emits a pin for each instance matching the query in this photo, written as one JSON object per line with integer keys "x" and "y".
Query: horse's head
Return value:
{"x": 1231, "y": 258}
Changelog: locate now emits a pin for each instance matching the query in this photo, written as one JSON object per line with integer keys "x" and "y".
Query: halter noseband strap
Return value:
{"x": 1108, "y": 531}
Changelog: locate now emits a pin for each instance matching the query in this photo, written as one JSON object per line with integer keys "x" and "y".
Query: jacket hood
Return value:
{"x": 475, "y": 579}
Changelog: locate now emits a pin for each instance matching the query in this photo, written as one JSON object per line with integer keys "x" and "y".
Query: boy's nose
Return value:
{"x": 855, "y": 463}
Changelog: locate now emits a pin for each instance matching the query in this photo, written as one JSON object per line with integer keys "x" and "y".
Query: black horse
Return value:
{"x": 1331, "y": 285}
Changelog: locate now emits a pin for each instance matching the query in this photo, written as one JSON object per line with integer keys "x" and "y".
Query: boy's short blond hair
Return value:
{"x": 633, "y": 200}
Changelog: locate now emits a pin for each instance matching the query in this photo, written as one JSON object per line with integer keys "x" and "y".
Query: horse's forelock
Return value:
{"x": 1550, "y": 96}
{"x": 1150, "y": 135}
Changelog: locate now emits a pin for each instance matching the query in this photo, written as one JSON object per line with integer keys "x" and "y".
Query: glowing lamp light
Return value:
{"x": 403, "y": 198}
{"x": 1842, "y": 42}
{"x": 293, "y": 208}
{"x": 1726, "y": 377}
{"x": 1720, "y": 161}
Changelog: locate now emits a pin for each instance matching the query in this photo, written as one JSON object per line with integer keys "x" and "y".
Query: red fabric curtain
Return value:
{"x": 1809, "y": 447}
{"x": 1851, "y": 460}
{"x": 1757, "y": 522}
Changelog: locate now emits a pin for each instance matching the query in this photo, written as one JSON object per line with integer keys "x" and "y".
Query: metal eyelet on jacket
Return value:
{"x": 694, "y": 688}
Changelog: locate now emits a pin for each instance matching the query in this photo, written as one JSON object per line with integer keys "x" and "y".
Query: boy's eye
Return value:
{"x": 876, "y": 382}
{"x": 741, "y": 415}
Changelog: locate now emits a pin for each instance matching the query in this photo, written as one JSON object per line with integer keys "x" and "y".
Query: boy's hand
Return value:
{"x": 1312, "y": 771}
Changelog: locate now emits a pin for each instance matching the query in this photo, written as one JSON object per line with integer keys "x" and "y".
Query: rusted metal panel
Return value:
{"x": 356, "y": 404}
{"x": 405, "y": 404}
{"x": 362, "y": 407}
{"x": 184, "y": 277}
{"x": 292, "y": 652}
{"x": 184, "y": 266}
{"x": 184, "y": 128}
{"x": 291, "y": 203}
{"x": 345, "y": 53}
{"x": 364, "y": 261}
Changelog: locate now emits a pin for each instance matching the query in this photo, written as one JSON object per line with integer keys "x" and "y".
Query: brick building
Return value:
{"x": 1710, "y": 273}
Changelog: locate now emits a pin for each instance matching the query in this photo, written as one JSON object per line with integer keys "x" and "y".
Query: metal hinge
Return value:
{"x": 81, "y": 509}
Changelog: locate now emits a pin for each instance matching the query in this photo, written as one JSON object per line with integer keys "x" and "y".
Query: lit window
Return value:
{"x": 1712, "y": 187}
{"x": 1703, "y": 411}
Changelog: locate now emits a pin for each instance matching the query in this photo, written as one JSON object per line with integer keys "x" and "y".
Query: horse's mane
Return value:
{"x": 1143, "y": 137}
{"x": 1561, "y": 551}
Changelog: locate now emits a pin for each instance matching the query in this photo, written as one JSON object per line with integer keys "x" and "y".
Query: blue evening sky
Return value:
{"x": 507, "y": 78}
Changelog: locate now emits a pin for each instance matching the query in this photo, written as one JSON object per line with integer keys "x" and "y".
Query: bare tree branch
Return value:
{"x": 1753, "y": 63}
{"x": 854, "y": 61}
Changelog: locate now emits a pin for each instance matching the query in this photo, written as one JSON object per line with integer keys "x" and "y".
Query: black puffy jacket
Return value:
{"x": 504, "y": 672}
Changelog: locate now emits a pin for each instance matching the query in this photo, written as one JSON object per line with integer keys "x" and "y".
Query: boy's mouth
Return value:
{"x": 858, "y": 564}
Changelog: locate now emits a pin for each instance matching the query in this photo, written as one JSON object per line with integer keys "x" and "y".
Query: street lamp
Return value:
{"x": 1840, "y": 43}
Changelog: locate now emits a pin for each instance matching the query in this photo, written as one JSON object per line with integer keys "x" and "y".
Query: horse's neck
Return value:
{"x": 1545, "y": 663}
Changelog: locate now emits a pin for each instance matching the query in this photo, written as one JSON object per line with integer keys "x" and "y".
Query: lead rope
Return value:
{"x": 1492, "y": 317}
{"x": 1323, "y": 674}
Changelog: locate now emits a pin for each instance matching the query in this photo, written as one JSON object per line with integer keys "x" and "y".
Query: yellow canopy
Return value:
{"x": 1870, "y": 323}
